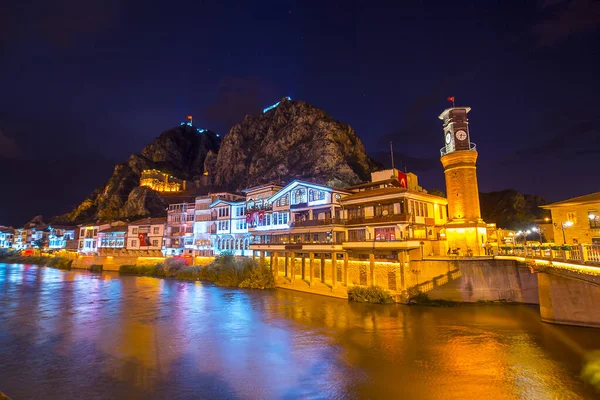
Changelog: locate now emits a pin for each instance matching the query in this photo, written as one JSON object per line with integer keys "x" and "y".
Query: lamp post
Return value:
{"x": 564, "y": 225}
{"x": 539, "y": 231}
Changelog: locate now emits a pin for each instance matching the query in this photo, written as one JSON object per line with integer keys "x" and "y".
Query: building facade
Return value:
{"x": 179, "y": 239}
{"x": 228, "y": 213}
{"x": 576, "y": 220}
{"x": 112, "y": 240}
{"x": 62, "y": 237}
{"x": 147, "y": 236}
{"x": 6, "y": 237}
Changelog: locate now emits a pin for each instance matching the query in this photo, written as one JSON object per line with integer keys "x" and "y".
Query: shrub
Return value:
{"x": 371, "y": 294}
{"x": 96, "y": 268}
{"x": 137, "y": 269}
{"x": 257, "y": 276}
{"x": 418, "y": 297}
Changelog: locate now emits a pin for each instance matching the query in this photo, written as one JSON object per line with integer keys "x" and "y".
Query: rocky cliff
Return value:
{"x": 181, "y": 151}
{"x": 292, "y": 140}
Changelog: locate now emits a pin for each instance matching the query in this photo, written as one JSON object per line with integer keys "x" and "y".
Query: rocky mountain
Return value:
{"x": 292, "y": 140}
{"x": 511, "y": 209}
{"x": 181, "y": 151}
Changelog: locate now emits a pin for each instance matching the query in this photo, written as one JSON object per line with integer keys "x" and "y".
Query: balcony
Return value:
{"x": 262, "y": 207}
{"x": 299, "y": 205}
{"x": 444, "y": 150}
{"x": 378, "y": 219}
{"x": 318, "y": 222}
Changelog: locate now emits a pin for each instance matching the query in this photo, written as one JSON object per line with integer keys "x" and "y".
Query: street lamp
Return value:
{"x": 539, "y": 231}
{"x": 564, "y": 225}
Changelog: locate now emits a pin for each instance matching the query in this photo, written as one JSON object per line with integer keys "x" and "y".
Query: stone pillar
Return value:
{"x": 292, "y": 266}
{"x": 275, "y": 264}
{"x": 372, "y": 268}
{"x": 311, "y": 267}
{"x": 286, "y": 271}
{"x": 253, "y": 255}
{"x": 303, "y": 268}
{"x": 345, "y": 270}
{"x": 402, "y": 262}
{"x": 333, "y": 270}
{"x": 261, "y": 257}
{"x": 322, "y": 273}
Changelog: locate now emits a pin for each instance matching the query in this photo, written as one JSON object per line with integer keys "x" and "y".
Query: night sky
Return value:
{"x": 86, "y": 83}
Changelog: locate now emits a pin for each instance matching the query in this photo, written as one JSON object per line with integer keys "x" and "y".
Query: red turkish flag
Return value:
{"x": 450, "y": 99}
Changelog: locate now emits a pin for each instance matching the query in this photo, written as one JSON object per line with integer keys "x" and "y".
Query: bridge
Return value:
{"x": 568, "y": 281}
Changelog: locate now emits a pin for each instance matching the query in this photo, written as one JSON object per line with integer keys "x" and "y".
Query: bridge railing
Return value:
{"x": 581, "y": 253}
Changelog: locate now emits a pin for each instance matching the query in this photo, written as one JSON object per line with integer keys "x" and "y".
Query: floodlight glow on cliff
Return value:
{"x": 275, "y": 105}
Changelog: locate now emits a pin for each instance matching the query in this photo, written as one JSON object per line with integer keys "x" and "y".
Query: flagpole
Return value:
{"x": 392, "y": 153}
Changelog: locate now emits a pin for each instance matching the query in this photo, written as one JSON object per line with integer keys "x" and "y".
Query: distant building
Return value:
{"x": 228, "y": 213}
{"x": 146, "y": 235}
{"x": 203, "y": 226}
{"x": 179, "y": 237}
{"x": 161, "y": 181}
{"x": 62, "y": 237}
{"x": 6, "y": 237}
{"x": 20, "y": 240}
{"x": 112, "y": 238}
{"x": 88, "y": 241}
{"x": 576, "y": 220}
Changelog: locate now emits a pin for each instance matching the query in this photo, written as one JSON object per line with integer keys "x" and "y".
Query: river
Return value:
{"x": 75, "y": 334}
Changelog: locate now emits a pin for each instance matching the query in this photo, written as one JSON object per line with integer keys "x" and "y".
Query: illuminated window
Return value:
{"x": 594, "y": 218}
{"x": 572, "y": 217}
{"x": 385, "y": 234}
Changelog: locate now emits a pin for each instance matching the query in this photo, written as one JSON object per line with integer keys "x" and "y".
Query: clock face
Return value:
{"x": 461, "y": 135}
{"x": 448, "y": 138}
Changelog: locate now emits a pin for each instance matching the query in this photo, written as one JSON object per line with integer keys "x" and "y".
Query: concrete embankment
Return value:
{"x": 112, "y": 263}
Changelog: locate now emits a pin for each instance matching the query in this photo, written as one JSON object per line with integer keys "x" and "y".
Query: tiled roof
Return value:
{"x": 120, "y": 228}
{"x": 374, "y": 193}
{"x": 588, "y": 198}
{"x": 149, "y": 221}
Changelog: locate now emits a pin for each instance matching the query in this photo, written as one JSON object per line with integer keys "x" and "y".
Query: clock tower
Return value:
{"x": 465, "y": 229}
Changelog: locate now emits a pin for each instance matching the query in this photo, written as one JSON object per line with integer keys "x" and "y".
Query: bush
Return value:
{"x": 371, "y": 294}
{"x": 137, "y": 269}
{"x": 96, "y": 268}
{"x": 418, "y": 297}
{"x": 257, "y": 277}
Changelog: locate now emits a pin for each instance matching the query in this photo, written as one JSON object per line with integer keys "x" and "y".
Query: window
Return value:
{"x": 156, "y": 230}
{"x": 134, "y": 243}
{"x": 441, "y": 207}
{"x": 356, "y": 235}
{"x": 299, "y": 196}
{"x": 82, "y": 232}
{"x": 283, "y": 200}
{"x": 155, "y": 243}
{"x": 134, "y": 231}
{"x": 190, "y": 217}
{"x": 572, "y": 217}
{"x": 594, "y": 218}
{"x": 385, "y": 234}
{"x": 355, "y": 213}
{"x": 384, "y": 210}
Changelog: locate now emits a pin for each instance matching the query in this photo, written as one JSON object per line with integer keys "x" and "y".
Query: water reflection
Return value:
{"x": 107, "y": 336}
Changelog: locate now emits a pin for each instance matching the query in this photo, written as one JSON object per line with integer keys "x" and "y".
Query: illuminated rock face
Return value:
{"x": 292, "y": 140}
{"x": 182, "y": 151}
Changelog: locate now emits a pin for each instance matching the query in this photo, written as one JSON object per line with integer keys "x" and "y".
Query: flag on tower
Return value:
{"x": 451, "y": 99}
{"x": 190, "y": 117}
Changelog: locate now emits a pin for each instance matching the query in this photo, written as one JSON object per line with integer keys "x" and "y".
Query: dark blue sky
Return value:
{"x": 85, "y": 84}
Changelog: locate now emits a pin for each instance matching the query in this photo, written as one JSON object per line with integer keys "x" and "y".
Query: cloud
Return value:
{"x": 561, "y": 19}
{"x": 9, "y": 149}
